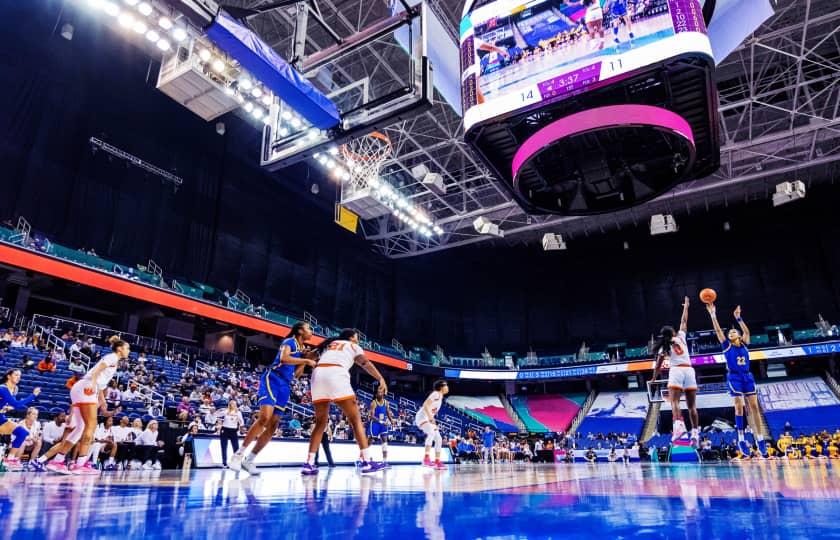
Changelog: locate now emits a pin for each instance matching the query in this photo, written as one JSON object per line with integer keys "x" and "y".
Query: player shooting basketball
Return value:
{"x": 739, "y": 379}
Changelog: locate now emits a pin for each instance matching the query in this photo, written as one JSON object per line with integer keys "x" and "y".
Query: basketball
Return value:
{"x": 707, "y": 296}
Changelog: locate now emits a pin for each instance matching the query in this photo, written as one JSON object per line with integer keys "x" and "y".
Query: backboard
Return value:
{"x": 376, "y": 77}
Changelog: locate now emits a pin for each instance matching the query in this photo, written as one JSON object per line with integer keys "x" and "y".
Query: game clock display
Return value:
{"x": 550, "y": 49}
{"x": 589, "y": 106}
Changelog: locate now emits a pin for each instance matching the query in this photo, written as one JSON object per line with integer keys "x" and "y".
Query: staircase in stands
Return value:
{"x": 513, "y": 414}
{"x": 651, "y": 421}
{"x": 584, "y": 410}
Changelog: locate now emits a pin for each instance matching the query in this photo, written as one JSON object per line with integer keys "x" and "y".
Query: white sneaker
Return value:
{"x": 235, "y": 463}
{"x": 147, "y": 466}
{"x": 135, "y": 464}
{"x": 251, "y": 467}
{"x": 156, "y": 466}
{"x": 678, "y": 431}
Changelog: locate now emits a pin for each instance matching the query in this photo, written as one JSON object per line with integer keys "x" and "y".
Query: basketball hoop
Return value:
{"x": 365, "y": 157}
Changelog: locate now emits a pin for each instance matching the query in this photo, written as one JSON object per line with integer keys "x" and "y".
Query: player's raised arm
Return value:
{"x": 745, "y": 331}
{"x": 712, "y": 313}
{"x": 684, "y": 318}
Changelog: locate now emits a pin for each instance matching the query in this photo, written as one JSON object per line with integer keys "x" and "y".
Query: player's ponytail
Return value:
{"x": 666, "y": 336}
{"x": 296, "y": 329}
{"x": 116, "y": 343}
{"x": 344, "y": 335}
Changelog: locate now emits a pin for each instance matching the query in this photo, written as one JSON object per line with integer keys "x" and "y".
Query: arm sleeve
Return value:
{"x": 10, "y": 400}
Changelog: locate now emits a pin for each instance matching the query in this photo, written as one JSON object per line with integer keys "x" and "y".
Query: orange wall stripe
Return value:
{"x": 43, "y": 264}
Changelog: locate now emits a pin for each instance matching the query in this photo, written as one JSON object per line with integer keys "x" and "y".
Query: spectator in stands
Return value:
{"x": 185, "y": 443}
{"x": 124, "y": 439}
{"x": 148, "y": 445}
{"x": 26, "y": 362}
{"x": 32, "y": 443}
{"x": 53, "y": 431}
{"x": 184, "y": 409}
{"x": 104, "y": 442}
{"x": 296, "y": 427}
{"x": 132, "y": 394}
{"x": 77, "y": 367}
{"x": 112, "y": 393}
{"x": 46, "y": 365}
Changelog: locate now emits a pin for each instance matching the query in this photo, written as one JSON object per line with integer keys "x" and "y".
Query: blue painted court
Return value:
{"x": 753, "y": 500}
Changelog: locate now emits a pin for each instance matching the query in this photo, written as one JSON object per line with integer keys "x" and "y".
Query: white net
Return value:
{"x": 364, "y": 158}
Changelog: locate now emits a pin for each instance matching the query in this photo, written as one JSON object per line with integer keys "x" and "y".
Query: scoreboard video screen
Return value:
{"x": 517, "y": 55}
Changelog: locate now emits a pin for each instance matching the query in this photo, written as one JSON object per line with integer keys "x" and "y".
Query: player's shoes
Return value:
{"x": 13, "y": 464}
{"x": 373, "y": 467}
{"x": 440, "y": 466}
{"x": 744, "y": 448}
{"x": 57, "y": 467}
{"x": 678, "y": 431}
{"x": 236, "y": 462}
{"x": 250, "y": 466}
{"x": 83, "y": 470}
{"x": 428, "y": 462}
{"x": 308, "y": 470}
{"x": 36, "y": 466}
{"x": 762, "y": 448}
{"x": 111, "y": 467}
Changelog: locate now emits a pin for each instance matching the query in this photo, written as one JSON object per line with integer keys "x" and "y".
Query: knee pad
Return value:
{"x": 19, "y": 433}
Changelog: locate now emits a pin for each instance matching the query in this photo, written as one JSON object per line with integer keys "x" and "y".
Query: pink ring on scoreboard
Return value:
{"x": 600, "y": 118}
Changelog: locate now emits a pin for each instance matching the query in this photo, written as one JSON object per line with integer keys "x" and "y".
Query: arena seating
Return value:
{"x": 809, "y": 405}
{"x": 542, "y": 414}
{"x": 486, "y": 409}
{"x": 616, "y": 412}
{"x": 54, "y": 393}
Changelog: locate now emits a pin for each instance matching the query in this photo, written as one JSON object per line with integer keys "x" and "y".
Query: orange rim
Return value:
{"x": 345, "y": 150}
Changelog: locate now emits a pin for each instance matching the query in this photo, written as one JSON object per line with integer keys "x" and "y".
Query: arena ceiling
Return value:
{"x": 779, "y": 100}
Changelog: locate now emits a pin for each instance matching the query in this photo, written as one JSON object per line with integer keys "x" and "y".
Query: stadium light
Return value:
{"x": 144, "y": 9}
{"x": 662, "y": 224}
{"x": 218, "y": 65}
{"x": 165, "y": 23}
{"x": 131, "y": 2}
{"x": 112, "y": 9}
{"x": 140, "y": 27}
{"x": 257, "y": 92}
{"x": 788, "y": 192}
{"x": 483, "y": 225}
{"x": 152, "y": 36}
{"x": 179, "y": 34}
{"x": 126, "y": 20}
{"x": 205, "y": 55}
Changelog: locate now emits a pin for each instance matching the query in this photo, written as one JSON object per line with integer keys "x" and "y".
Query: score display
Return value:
{"x": 516, "y": 55}
{"x": 527, "y": 65}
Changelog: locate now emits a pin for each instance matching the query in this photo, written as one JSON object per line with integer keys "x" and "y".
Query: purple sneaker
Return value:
{"x": 309, "y": 470}
{"x": 373, "y": 467}
{"x": 37, "y": 466}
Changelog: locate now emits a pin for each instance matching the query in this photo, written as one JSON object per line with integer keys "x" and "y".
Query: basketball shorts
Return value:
{"x": 274, "y": 391}
{"x": 425, "y": 426}
{"x": 619, "y": 10}
{"x": 682, "y": 378}
{"x": 80, "y": 394}
{"x": 594, "y": 16}
{"x": 740, "y": 384}
{"x": 331, "y": 383}
{"x": 377, "y": 429}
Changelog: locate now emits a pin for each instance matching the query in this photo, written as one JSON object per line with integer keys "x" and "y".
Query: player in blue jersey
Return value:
{"x": 274, "y": 392}
{"x": 739, "y": 379}
{"x": 381, "y": 421}
{"x": 618, "y": 10}
{"x": 8, "y": 401}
